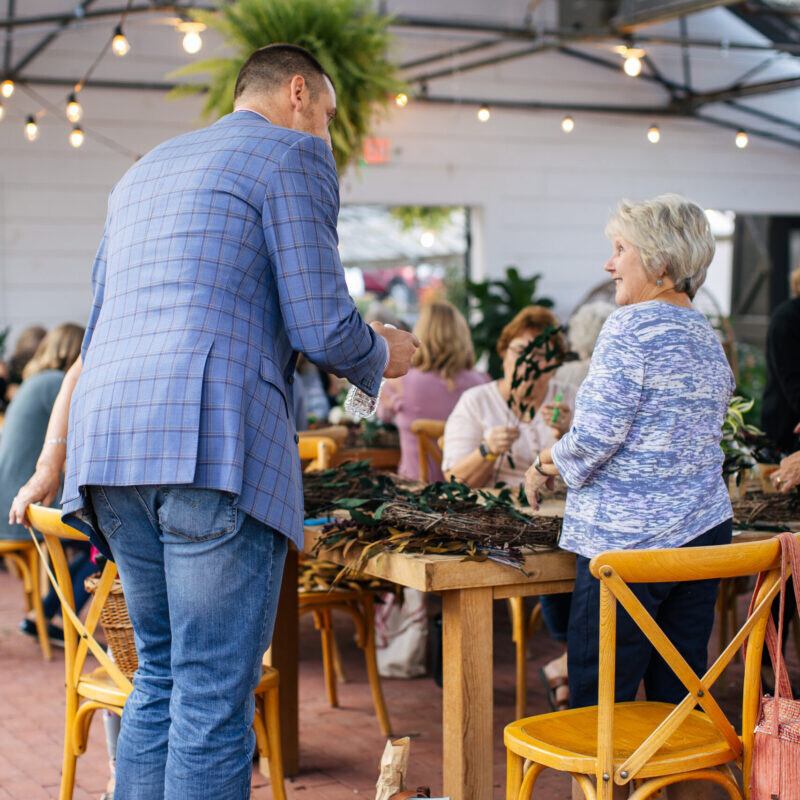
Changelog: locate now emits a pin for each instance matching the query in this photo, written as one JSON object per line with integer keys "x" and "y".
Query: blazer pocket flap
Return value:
{"x": 271, "y": 374}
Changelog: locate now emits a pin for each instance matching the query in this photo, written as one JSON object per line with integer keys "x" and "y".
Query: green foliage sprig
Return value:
{"x": 431, "y": 218}
{"x": 3, "y": 336}
{"x": 347, "y": 37}
{"x": 496, "y": 302}
{"x": 739, "y": 439}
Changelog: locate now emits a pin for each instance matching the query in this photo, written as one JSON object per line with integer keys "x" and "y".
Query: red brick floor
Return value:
{"x": 340, "y": 748}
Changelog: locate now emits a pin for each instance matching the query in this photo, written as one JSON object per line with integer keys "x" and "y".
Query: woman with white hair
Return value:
{"x": 642, "y": 460}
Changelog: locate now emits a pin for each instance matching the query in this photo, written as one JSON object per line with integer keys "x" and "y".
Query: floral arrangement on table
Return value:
{"x": 768, "y": 511}
{"x": 388, "y": 514}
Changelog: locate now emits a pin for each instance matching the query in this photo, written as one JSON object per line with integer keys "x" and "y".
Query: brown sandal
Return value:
{"x": 552, "y": 685}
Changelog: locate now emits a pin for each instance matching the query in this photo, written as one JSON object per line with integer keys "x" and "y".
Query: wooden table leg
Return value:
{"x": 284, "y": 655}
{"x": 468, "y": 706}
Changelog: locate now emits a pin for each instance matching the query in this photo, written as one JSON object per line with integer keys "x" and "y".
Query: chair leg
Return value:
{"x": 275, "y": 758}
{"x": 587, "y": 787}
{"x": 323, "y": 617}
{"x": 260, "y": 730}
{"x": 36, "y": 600}
{"x": 519, "y": 635}
{"x": 341, "y": 675}
{"x": 513, "y": 775}
{"x": 68, "y": 770}
{"x": 721, "y": 778}
{"x": 535, "y": 620}
{"x": 372, "y": 666}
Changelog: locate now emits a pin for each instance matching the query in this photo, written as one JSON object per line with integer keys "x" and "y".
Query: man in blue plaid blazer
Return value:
{"x": 218, "y": 264}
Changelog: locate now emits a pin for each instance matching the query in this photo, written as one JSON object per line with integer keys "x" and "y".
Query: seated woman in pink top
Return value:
{"x": 441, "y": 370}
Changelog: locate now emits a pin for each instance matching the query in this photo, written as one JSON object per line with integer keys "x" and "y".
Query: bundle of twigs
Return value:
{"x": 316, "y": 575}
{"x": 387, "y": 515}
{"x": 758, "y": 507}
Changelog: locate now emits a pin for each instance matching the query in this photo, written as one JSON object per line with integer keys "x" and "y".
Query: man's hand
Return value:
{"x": 41, "y": 488}
{"x": 500, "y": 438}
{"x": 787, "y": 476}
{"x": 402, "y": 346}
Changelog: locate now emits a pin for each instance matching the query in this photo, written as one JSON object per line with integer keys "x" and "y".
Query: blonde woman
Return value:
{"x": 441, "y": 370}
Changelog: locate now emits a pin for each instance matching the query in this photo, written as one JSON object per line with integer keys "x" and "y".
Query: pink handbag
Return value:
{"x": 776, "y": 748}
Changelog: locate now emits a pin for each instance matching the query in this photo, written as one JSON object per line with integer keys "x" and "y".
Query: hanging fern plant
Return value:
{"x": 347, "y": 37}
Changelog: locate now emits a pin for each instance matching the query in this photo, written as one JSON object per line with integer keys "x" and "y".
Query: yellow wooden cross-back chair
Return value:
{"x": 318, "y": 451}
{"x": 429, "y": 433}
{"x": 653, "y": 744}
{"x": 25, "y": 558}
{"x": 106, "y": 687}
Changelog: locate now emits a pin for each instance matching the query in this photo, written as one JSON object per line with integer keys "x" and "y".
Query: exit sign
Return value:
{"x": 377, "y": 151}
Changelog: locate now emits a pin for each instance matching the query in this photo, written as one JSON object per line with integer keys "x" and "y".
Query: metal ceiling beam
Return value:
{"x": 46, "y": 41}
{"x": 452, "y": 53}
{"x": 105, "y": 13}
{"x": 533, "y": 105}
{"x": 687, "y": 63}
{"x": 96, "y": 83}
{"x": 484, "y": 62}
{"x": 735, "y": 126}
{"x": 684, "y": 104}
{"x": 635, "y": 13}
{"x": 748, "y": 90}
{"x": 9, "y": 37}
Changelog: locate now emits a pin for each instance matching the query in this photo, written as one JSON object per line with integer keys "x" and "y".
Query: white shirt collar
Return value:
{"x": 252, "y": 111}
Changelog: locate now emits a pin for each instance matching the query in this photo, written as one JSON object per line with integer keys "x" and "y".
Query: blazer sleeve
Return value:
{"x": 299, "y": 217}
{"x": 605, "y": 405}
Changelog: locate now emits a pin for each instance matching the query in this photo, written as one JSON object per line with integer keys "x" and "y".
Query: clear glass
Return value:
{"x": 359, "y": 404}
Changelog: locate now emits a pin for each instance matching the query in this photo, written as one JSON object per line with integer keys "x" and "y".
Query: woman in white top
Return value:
{"x": 489, "y": 438}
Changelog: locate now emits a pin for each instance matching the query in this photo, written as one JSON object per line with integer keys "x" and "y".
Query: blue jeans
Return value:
{"x": 683, "y": 609}
{"x": 201, "y": 581}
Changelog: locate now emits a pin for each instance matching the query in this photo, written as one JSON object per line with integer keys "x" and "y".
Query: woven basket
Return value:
{"x": 117, "y": 626}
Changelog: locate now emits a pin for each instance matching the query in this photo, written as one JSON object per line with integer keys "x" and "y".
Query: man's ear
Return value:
{"x": 297, "y": 92}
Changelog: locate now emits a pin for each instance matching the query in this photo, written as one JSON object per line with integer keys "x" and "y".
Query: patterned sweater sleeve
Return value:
{"x": 605, "y": 406}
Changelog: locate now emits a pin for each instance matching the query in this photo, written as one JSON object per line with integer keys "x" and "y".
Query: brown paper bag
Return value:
{"x": 394, "y": 763}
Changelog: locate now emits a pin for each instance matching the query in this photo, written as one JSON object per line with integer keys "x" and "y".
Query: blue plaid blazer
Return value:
{"x": 218, "y": 264}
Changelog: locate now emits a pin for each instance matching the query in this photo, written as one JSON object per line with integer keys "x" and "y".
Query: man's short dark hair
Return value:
{"x": 272, "y": 66}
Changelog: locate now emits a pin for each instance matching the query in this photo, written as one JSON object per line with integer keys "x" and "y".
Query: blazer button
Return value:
{"x": 296, "y": 438}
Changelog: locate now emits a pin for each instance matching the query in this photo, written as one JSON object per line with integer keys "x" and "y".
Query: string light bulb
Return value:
{"x": 401, "y": 99}
{"x": 74, "y": 109}
{"x": 633, "y": 59}
{"x": 120, "y": 44}
{"x": 484, "y": 114}
{"x": 568, "y": 124}
{"x": 192, "y": 41}
{"x": 7, "y": 88}
{"x": 31, "y": 129}
{"x": 741, "y": 140}
{"x": 633, "y": 66}
{"x": 654, "y": 134}
{"x": 427, "y": 239}
{"x": 76, "y": 137}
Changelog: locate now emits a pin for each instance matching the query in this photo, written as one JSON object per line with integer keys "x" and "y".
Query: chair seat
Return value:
{"x": 98, "y": 686}
{"x": 269, "y": 678}
{"x": 568, "y": 739}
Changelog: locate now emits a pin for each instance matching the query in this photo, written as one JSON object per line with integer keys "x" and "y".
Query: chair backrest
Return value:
{"x": 78, "y": 636}
{"x": 317, "y": 450}
{"x": 428, "y": 433}
{"x": 615, "y": 570}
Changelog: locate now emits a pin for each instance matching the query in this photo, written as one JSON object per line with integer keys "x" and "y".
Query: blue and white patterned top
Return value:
{"x": 642, "y": 460}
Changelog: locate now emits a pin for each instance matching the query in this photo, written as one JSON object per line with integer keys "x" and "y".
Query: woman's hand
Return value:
{"x": 41, "y": 488}
{"x": 500, "y": 439}
{"x": 561, "y": 425}
{"x": 787, "y": 476}
{"x": 534, "y": 481}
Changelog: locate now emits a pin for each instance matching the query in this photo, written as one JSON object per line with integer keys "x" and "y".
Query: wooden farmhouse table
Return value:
{"x": 468, "y": 589}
